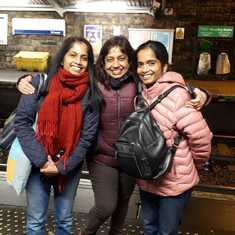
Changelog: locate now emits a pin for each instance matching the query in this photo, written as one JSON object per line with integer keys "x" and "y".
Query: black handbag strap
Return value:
{"x": 7, "y": 134}
{"x": 178, "y": 137}
{"x": 163, "y": 95}
{"x": 42, "y": 85}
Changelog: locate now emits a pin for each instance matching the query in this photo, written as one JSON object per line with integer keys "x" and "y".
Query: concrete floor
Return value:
{"x": 206, "y": 213}
{"x": 12, "y": 222}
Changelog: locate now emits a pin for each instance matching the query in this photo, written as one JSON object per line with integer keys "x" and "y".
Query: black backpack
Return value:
{"x": 141, "y": 148}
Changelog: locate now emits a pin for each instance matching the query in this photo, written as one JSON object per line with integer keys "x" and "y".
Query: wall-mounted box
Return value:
{"x": 37, "y": 26}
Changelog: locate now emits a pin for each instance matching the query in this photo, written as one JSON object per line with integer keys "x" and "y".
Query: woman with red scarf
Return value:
{"x": 67, "y": 122}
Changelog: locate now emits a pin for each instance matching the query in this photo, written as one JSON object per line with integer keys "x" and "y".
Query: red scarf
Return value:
{"x": 60, "y": 116}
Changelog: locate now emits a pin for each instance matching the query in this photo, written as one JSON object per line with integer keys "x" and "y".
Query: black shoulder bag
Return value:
{"x": 7, "y": 134}
{"x": 141, "y": 148}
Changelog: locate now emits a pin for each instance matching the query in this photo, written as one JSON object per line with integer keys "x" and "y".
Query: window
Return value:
{"x": 165, "y": 36}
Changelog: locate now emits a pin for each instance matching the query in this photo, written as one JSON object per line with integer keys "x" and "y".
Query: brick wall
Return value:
{"x": 188, "y": 14}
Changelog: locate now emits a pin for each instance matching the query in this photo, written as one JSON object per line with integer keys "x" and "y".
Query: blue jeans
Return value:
{"x": 38, "y": 195}
{"x": 162, "y": 215}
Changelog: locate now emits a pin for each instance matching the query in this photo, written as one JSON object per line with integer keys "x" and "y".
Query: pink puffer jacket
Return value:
{"x": 193, "y": 150}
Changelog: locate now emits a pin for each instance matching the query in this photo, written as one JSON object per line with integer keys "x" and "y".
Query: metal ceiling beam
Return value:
{"x": 111, "y": 6}
{"x": 132, "y": 6}
{"x": 136, "y": 3}
{"x": 57, "y": 7}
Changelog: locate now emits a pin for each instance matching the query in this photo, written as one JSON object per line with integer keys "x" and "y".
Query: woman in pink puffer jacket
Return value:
{"x": 163, "y": 202}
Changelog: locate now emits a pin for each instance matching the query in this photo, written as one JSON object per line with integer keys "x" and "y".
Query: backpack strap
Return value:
{"x": 42, "y": 86}
{"x": 178, "y": 137}
{"x": 139, "y": 88}
{"x": 176, "y": 143}
{"x": 163, "y": 95}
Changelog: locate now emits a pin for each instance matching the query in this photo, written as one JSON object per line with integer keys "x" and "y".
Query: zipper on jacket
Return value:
{"x": 118, "y": 109}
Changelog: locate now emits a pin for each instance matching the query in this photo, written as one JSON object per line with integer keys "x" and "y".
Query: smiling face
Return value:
{"x": 116, "y": 63}
{"x": 76, "y": 59}
{"x": 149, "y": 67}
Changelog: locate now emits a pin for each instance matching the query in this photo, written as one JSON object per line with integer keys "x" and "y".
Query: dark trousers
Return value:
{"x": 112, "y": 191}
{"x": 162, "y": 215}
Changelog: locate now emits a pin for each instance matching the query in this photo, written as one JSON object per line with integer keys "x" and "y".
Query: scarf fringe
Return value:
{"x": 47, "y": 129}
{"x": 47, "y": 134}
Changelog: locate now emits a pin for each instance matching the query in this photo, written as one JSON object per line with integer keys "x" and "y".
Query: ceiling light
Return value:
{"x": 111, "y": 6}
